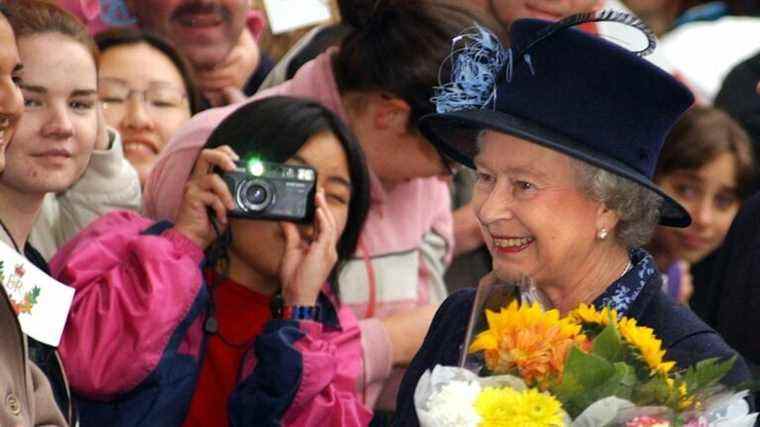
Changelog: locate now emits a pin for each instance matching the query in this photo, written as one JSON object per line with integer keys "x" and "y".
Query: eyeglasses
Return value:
{"x": 157, "y": 98}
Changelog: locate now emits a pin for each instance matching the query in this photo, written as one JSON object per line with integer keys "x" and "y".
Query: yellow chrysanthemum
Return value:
{"x": 528, "y": 340}
{"x": 499, "y": 407}
{"x": 588, "y": 314}
{"x": 647, "y": 345}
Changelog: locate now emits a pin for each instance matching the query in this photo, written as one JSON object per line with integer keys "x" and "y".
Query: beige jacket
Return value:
{"x": 26, "y": 398}
{"x": 110, "y": 183}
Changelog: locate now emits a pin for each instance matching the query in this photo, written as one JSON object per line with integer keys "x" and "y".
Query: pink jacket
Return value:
{"x": 135, "y": 337}
{"x": 404, "y": 248}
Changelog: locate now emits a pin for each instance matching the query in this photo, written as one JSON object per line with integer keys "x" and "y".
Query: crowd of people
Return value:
{"x": 606, "y": 177}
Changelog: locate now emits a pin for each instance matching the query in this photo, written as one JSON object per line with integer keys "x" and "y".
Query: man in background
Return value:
{"x": 212, "y": 35}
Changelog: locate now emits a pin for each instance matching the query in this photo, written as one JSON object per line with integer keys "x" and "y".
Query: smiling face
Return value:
{"x": 11, "y": 102}
{"x": 205, "y": 31}
{"x": 710, "y": 196}
{"x": 144, "y": 97}
{"x": 260, "y": 244}
{"x": 533, "y": 216}
{"x": 508, "y": 11}
{"x": 57, "y": 132}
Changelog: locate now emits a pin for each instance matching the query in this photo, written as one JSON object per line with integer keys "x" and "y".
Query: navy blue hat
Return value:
{"x": 566, "y": 90}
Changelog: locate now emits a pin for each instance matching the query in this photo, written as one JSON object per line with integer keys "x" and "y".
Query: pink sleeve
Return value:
{"x": 132, "y": 291}
{"x": 443, "y": 222}
{"x": 377, "y": 355}
{"x": 328, "y": 394}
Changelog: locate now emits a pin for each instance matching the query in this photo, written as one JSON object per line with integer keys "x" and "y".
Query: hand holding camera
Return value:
{"x": 255, "y": 189}
{"x": 206, "y": 190}
{"x": 307, "y": 264}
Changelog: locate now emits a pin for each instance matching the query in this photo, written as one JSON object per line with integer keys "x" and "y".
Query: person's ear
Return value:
{"x": 606, "y": 221}
{"x": 391, "y": 113}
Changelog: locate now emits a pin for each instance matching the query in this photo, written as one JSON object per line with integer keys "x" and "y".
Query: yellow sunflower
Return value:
{"x": 588, "y": 314}
{"x": 527, "y": 340}
{"x": 647, "y": 344}
{"x": 500, "y": 407}
{"x": 685, "y": 400}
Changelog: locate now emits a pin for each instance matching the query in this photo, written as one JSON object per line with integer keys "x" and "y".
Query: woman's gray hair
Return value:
{"x": 637, "y": 207}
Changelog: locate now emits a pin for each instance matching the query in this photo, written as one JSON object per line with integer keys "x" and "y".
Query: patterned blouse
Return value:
{"x": 624, "y": 291}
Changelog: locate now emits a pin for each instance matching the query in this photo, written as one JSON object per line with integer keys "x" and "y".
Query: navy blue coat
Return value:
{"x": 685, "y": 337}
{"x": 730, "y": 301}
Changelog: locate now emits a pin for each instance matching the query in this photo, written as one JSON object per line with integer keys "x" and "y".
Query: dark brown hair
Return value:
{"x": 131, "y": 36}
{"x": 700, "y": 136}
{"x": 397, "y": 46}
{"x": 30, "y": 17}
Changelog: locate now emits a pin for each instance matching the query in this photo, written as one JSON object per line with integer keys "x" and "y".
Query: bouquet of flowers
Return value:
{"x": 532, "y": 367}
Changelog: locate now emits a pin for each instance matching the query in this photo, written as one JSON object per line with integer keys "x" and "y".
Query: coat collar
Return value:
{"x": 622, "y": 293}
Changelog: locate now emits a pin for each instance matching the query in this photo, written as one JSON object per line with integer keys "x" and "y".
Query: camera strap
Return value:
{"x": 371, "y": 280}
{"x": 372, "y": 300}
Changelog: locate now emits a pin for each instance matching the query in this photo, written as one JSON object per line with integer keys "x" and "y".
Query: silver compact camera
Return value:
{"x": 272, "y": 191}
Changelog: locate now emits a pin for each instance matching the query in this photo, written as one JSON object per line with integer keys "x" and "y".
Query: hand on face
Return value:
{"x": 306, "y": 265}
{"x": 227, "y": 96}
{"x": 206, "y": 190}
{"x": 224, "y": 83}
{"x": 205, "y": 31}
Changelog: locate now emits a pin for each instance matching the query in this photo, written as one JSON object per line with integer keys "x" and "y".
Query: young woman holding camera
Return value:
{"x": 379, "y": 81}
{"x": 179, "y": 324}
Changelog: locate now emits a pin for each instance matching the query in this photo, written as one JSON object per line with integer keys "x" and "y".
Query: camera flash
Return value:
{"x": 255, "y": 167}
{"x": 306, "y": 175}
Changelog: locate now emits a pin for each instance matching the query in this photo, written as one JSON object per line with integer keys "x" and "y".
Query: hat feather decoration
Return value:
{"x": 600, "y": 16}
{"x": 478, "y": 58}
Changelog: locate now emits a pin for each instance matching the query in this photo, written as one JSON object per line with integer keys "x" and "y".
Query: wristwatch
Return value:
{"x": 300, "y": 312}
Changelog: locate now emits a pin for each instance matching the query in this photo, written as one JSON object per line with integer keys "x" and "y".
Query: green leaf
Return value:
{"x": 608, "y": 344}
{"x": 625, "y": 381}
{"x": 582, "y": 375}
{"x": 34, "y": 294}
{"x": 707, "y": 373}
{"x": 655, "y": 392}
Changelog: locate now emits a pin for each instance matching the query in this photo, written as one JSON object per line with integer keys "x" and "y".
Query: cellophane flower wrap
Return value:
{"x": 524, "y": 365}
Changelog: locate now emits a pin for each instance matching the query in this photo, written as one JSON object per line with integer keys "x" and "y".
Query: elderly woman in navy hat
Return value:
{"x": 564, "y": 130}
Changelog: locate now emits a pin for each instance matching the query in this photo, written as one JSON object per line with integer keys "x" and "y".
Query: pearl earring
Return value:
{"x": 602, "y": 234}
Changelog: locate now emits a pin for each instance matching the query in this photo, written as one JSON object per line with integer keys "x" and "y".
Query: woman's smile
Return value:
{"x": 511, "y": 244}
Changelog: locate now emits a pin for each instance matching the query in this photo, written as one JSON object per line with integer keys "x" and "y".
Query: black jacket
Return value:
{"x": 46, "y": 356}
{"x": 685, "y": 337}
{"x": 731, "y": 301}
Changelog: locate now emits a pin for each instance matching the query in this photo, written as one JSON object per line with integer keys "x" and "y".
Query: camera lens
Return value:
{"x": 256, "y": 194}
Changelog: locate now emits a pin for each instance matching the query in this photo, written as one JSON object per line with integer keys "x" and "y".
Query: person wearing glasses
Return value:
{"x": 146, "y": 90}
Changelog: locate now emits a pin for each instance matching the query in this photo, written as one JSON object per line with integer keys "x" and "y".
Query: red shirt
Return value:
{"x": 241, "y": 314}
